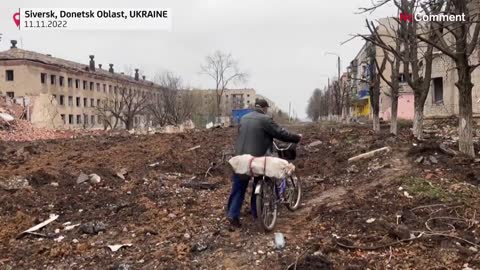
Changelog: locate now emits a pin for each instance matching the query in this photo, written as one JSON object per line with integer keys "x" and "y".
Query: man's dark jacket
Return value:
{"x": 256, "y": 133}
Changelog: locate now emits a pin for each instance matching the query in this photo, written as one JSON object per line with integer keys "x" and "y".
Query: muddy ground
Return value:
{"x": 412, "y": 208}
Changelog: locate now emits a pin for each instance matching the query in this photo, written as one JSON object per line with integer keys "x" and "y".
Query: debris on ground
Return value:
{"x": 52, "y": 218}
{"x": 369, "y": 154}
{"x": 424, "y": 216}
{"x": 93, "y": 227}
{"x": 13, "y": 183}
{"x": 94, "y": 178}
{"x": 115, "y": 248}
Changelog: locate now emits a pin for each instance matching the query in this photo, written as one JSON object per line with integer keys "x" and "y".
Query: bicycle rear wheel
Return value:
{"x": 266, "y": 204}
{"x": 293, "y": 192}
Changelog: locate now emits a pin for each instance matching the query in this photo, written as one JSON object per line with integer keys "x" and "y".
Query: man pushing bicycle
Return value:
{"x": 255, "y": 137}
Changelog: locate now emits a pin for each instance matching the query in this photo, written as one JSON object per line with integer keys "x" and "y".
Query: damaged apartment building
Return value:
{"x": 58, "y": 93}
{"x": 443, "y": 96}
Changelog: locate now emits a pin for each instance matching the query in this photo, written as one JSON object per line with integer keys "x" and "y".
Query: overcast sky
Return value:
{"x": 281, "y": 44}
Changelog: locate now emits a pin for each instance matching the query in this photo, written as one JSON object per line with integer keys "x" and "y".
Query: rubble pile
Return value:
{"x": 15, "y": 127}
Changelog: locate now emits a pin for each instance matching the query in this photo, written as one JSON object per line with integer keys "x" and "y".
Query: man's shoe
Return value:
{"x": 235, "y": 222}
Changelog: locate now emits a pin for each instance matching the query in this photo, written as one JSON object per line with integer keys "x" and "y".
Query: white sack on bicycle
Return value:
{"x": 275, "y": 167}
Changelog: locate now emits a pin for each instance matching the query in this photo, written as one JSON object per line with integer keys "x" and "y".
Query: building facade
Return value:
{"x": 359, "y": 76}
{"x": 443, "y": 96}
{"x": 232, "y": 99}
{"x": 66, "y": 94}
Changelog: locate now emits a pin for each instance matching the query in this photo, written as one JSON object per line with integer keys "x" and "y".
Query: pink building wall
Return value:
{"x": 405, "y": 108}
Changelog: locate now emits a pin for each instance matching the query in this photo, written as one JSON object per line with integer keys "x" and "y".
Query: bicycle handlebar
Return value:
{"x": 281, "y": 149}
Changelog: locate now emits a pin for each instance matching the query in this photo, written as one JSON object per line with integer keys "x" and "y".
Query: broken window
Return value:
{"x": 85, "y": 119}
{"x": 70, "y": 101}
{"x": 43, "y": 77}
{"x": 110, "y": 89}
{"x": 77, "y": 83}
{"x": 92, "y": 118}
{"x": 104, "y": 88}
{"x": 115, "y": 90}
{"x": 70, "y": 82}
{"x": 91, "y": 86}
{"x": 85, "y": 102}
{"x": 10, "y": 94}
{"x": 9, "y": 75}
{"x": 92, "y": 102}
{"x": 70, "y": 119}
{"x": 98, "y": 102}
{"x": 79, "y": 119}
{"x": 79, "y": 103}
{"x": 63, "y": 118}
{"x": 84, "y": 85}
{"x": 402, "y": 78}
{"x": 53, "y": 79}
{"x": 61, "y": 80}
{"x": 98, "y": 87}
{"x": 99, "y": 119}
{"x": 62, "y": 100}
{"x": 438, "y": 90}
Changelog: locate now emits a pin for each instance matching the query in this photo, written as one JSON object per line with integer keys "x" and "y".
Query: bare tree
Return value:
{"x": 374, "y": 83}
{"x": 383, "y": 38}
{"x": 223, "y": 69}
{"x": 314, "y": 105}
{"x": 416, "y": 57}
{"x": 458, "y": 40}
{"x": 124, "y": 105}
{"x": 174, "y": 105}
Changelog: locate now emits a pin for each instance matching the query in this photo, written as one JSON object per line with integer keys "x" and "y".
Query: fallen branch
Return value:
{"x": 296, "y": 260}
{"x": 427, "y": 206}
{"x": 52, "y": 218}
{"x": 379, "y": 246}
{"x": 193, "y": 148}
{"x": 452, "y": 236}
{"x": 199, "y": 185}
{"x": 369, "y": 154}
{"x": 445, "y": 149}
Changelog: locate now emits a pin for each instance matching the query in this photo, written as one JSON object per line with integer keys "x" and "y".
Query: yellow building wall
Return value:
{"x": 362, "y": 109}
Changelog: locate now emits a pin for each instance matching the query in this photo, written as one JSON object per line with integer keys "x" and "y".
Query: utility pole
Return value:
{"x": 289, "y": 110}
{"x": 338, "y": 78}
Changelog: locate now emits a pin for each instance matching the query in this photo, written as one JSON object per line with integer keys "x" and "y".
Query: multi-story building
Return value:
{"x": 443, "y": 96}
{"x": 232, "y": 99}
{"x": 66, "y": 94}
{"x": 360, "y": 96}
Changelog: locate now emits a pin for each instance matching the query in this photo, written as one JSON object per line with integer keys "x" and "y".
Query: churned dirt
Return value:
{"x": 411, "y": 208}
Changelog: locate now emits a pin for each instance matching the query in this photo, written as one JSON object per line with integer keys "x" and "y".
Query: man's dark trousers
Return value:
{"x": 237, "y": 196}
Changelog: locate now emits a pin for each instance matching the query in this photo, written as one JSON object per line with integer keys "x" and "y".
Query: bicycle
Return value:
{"x": 270, "y": 192}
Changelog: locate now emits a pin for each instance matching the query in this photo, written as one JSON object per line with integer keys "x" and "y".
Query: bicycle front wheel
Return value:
{"x": 266, "y": 204}
{"x": 293, "y": 192}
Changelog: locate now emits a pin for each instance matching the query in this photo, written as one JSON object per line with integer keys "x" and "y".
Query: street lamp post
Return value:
{"x": 338, "y": 68}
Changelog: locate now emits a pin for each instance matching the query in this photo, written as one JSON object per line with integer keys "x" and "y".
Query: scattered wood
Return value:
{"x": 301, "y": 255}
{"x": 154, "y": 164}
{"x": 370, "y": 154}
{"x": 193, "y": 148}
{"x": 52, "y": 218}
{"x": 377, "y": 246}
{"x": 445, "y": 149}
{"x": 199, "y": 185}
{"x": 115, "y": 248}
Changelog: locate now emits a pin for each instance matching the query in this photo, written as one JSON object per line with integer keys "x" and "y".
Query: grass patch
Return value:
{"x": 421, "y": 188}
